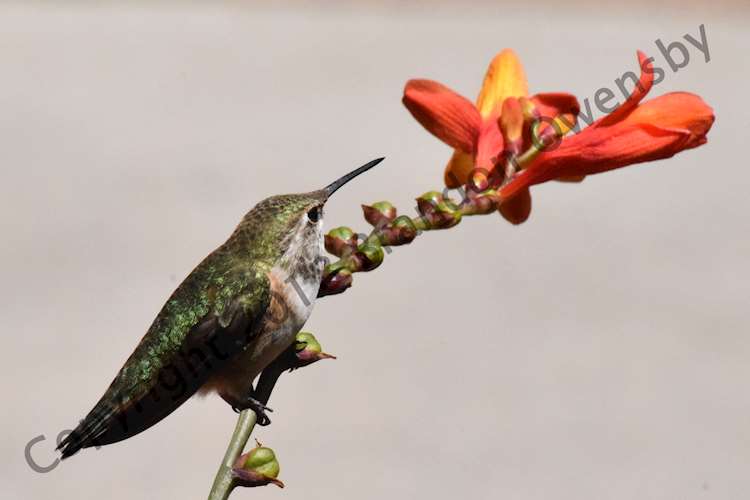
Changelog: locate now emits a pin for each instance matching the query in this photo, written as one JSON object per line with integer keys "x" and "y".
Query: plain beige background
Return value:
{"x": 600, "y": 351}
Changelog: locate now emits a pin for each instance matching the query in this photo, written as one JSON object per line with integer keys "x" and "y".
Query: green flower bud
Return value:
{"x": 309, "y": 349}
{"x": 371, "y": 255}
{"x": 406, "y": 228}
{"x": 263, "y": 461}
{"x": 380, "y": 213}
{"x": 385, "y": 207}
{"x": 340, "y": 241}
{"x": 306, "y": 340}
{"x": 450, "y": 214}
{"x": 342, "y": 232}
{"x": 258, "y": 467}
{"x": 400, "y": 231}
{"x": 430, "y": 198}
{"x": 438, "y": 212}
{"x": 336, "y": 279}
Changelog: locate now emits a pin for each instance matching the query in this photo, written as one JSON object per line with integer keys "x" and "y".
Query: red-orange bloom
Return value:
{"x": 505, "y": 122}
{"x": 633, "y": 133}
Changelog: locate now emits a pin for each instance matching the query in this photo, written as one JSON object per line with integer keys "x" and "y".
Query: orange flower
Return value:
{"x": 507, "y": 138}
{"x": 633, "y": 133}
{"x": 492, "y": 132}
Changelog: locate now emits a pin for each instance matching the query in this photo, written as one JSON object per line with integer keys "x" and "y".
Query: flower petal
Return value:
{"x": 600, "y": 152}
{"x": 681, "y": 110}
{"x": 549, "y": 133}
{"x": 450, "y": 117}
{"x": 657, "y": 129}
{"x": 555, "y": 112}
{"x": 504, "y": 78}
{"x": 642, "y": 88}
{"x": 551, "y": 104}
{"x": 489, "y": 146}
{"x": 575, "y": 179}
{"x": 511, "y": 124}
{"x": 458, "y": 169}
{"x": 517, "y": 209}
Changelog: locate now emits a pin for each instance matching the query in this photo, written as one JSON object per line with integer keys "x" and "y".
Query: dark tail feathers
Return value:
{"x": 96, "y": 423}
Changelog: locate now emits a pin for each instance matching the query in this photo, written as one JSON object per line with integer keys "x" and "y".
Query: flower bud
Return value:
{"x": 262, "y": 460}
{"x": 405, "y": 226}
{"x": 400, "y": 231}
{"x": 479, "y": 180}
{"x": 511, "y": 124}
{"x": 371, "y": 255}
{"x": 530, "y": 113}
{"x": 335, "y": 280}
{"x": 427, "y": 206}
{"x": 438, "y": 212}
{"x": 450, "y": 214}
{"x": 309, "y": 350}
{"x": 258, "y": 467}
{"x": 380, "y": 213}
{"x": 428, "y": 200}
{"x": 340, "y": 241}
{"x": 481, "y": 203}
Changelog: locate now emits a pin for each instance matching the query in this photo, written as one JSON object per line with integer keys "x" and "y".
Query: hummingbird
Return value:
{"x": 236, "y": 312}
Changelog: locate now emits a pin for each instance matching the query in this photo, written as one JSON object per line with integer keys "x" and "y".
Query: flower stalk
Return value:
{"x": 435, "y": 211}
{"x": 225, "y": 482}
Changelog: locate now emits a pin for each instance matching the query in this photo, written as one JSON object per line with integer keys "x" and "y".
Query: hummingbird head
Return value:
{"x": 285, "y": 225}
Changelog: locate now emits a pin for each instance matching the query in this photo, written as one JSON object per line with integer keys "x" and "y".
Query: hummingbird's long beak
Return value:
{"x": 332, "y": 187}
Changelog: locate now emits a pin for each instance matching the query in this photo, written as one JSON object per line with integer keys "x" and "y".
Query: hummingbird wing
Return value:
{"x": 211, "y": 316}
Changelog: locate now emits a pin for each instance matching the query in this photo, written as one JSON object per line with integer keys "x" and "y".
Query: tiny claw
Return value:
{"x": 262, "y": 420}
{"x": 260, "y": 410}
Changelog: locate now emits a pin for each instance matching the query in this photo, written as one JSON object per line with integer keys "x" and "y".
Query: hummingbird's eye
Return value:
{"x": 314, "y": 214}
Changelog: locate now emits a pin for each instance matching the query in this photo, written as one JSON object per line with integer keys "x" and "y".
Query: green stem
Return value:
{"x": 224, "y": 482}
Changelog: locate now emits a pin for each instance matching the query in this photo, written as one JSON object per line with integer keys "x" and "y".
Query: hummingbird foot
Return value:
{"x": 260, "y": 409}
